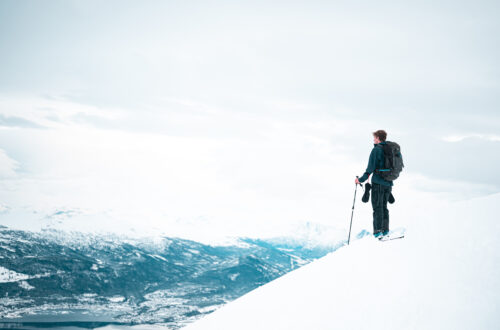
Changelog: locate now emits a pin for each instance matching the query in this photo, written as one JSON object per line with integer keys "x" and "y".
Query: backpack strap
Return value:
{"x": 378, "y": 170}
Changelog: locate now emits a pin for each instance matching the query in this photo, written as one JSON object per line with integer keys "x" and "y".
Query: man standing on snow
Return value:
{"x": 381, "y": 188}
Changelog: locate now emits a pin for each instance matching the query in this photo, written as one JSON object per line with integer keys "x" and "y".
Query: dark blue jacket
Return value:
{"x": 376, "y": 161}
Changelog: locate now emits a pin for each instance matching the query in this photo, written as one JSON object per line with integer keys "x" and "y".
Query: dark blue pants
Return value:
{"x": 380, "y": 196}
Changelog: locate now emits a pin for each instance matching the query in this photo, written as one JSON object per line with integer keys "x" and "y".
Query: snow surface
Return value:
{"x": 7, "y": 275}
{"x": 444, "y": 274}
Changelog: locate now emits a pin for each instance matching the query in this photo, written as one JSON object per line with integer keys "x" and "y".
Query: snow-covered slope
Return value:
{"x": 443, "y": 275}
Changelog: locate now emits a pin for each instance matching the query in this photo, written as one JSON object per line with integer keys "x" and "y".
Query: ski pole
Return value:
{"x": 352, "y": 213}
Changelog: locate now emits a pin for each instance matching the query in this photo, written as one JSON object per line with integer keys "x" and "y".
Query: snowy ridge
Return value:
{"x": 443, "y": 275}
{"x": 76, "y": 226}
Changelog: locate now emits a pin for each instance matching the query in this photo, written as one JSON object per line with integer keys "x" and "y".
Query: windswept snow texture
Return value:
{"x": 443, "y": 275}
{"x": 55, "y": 278}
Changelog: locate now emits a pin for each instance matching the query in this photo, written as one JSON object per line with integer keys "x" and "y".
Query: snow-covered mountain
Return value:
{"x": 445, "y": 274}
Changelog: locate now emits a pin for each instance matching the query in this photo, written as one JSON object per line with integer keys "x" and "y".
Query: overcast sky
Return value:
{"x": 241, "y": 113}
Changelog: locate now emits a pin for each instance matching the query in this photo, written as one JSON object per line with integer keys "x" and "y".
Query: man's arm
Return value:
{"x": 370, "y": 168}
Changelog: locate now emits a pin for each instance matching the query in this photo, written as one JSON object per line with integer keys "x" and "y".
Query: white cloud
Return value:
{"x": 243, "y": 172}
{"x": 227, "y": 171}
{"x": 53, "y": 112}
{"x": 461, "y": 137}
{"x": 8, "y": 166}
{"x": 446, "y": 189}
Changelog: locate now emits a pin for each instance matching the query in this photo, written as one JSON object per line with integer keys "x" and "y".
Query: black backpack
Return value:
{"x": 393, "y": 161}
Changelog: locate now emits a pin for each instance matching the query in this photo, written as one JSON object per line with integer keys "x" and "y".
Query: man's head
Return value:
{"x": 379, "y": 136}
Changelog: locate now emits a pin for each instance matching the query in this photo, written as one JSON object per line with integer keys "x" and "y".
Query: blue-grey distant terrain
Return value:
{"x": 54, "y": 278}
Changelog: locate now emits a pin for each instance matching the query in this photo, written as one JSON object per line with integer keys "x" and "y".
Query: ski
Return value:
{"x": 390, "y": 238}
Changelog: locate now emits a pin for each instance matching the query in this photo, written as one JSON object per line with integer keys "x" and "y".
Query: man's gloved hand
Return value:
{"x": 391, "y": 199}
{"x": 366, "y": 195}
